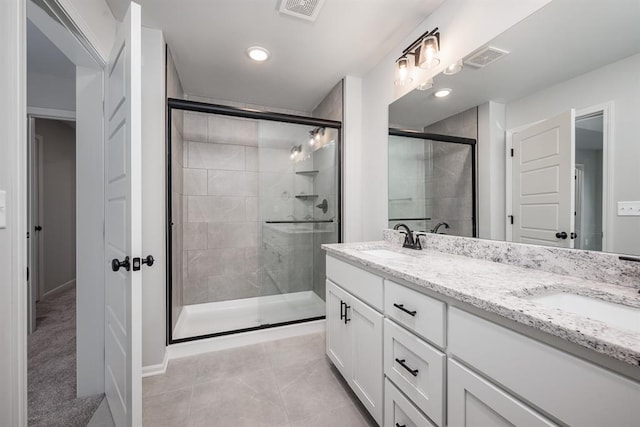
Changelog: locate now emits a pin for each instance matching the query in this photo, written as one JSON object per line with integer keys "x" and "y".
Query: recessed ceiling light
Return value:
{"x": 442, "y": 93}
{"x": 258, "y": 53}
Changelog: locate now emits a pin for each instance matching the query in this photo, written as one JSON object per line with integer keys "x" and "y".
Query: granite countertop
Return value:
{"x": 500, "y": 288}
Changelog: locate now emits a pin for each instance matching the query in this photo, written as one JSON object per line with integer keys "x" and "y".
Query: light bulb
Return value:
{"x": 403, "y": 72}
{"x": 429, "y": 52}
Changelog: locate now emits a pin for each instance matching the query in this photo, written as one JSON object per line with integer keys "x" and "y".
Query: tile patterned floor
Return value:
{"x": 280, "y": 383}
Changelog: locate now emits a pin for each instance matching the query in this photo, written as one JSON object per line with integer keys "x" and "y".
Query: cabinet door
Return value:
{"x": 365, "y": 335}
{"x": 337, "y": 346}
{"x": 474, "y": 402}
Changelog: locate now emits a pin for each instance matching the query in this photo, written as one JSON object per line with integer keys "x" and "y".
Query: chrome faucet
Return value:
{"x": 437, "y": 227}
{"x": 409, "y": 241}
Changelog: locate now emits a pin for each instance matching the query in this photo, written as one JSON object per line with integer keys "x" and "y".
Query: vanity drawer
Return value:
{"x": 416, "y": 368}
{"x": 399, "y": 411}
{"x": 360, "y": 283}
{"x": 570, "y": 389}
{"x": 420, "y": 313}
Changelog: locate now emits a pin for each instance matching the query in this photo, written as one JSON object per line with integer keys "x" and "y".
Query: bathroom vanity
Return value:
{"x": 433, "y": 338}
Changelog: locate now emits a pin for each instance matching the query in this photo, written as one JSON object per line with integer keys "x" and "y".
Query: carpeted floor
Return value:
{"x": 52, "y": 366}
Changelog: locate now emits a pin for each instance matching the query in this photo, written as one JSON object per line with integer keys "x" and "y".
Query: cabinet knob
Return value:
{"x": 562, "y": 235}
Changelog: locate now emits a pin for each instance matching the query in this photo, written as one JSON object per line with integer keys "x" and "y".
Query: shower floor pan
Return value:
{"x": 215, "y": 317}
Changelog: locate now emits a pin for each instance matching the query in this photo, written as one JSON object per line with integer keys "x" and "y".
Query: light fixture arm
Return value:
{"x": 414, "y": 47}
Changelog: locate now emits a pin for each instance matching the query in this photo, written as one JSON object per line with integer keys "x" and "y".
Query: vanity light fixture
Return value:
{"x": 425, "y": 85}
{"x": 454, "y": 68}
{"x": 402, "y": 72}
{"x": 442, "y": 93}
{"x": 258, "y": 53}
{"x": 425, "y": 50}
{"x": 295, "y": 150}
{"x": 315, "y": 135}
{"x": 429, "y": 49}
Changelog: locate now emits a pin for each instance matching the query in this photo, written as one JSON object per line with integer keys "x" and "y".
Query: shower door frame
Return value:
{"x": 452, "y": 140}
{"x": 224, "y": 110}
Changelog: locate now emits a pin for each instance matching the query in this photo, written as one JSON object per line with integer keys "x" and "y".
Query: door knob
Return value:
{"x": 561, "y": 235}
{"x": 116, "y": 264}
{"x": 38, "y": 228}
{"x": 137, "y": 262}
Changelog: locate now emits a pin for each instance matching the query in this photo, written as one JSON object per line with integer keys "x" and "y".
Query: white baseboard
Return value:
{"x": 70, "y": 284}
{"x": 192, "y": 348}
{"x": 159, "y": 369}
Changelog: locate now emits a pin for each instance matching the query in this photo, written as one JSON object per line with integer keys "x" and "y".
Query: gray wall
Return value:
{"x": 617, "y": 83}
{"x": 58, "y": 202}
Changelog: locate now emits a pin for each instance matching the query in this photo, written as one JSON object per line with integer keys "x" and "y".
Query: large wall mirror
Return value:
{"x": 538, "y": 141}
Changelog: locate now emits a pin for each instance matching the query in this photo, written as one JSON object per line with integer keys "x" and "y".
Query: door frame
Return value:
{"x": 608, "y": 209}
{"x": 81, "y": 44}
{"x": 606, "y": 109}
{"x": 40, "y": 114}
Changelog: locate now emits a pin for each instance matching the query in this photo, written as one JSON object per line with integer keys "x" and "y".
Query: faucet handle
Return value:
{"x": 418, "y": 245}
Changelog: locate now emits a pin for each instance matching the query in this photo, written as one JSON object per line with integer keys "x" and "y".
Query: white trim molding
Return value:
{"x": 159, "y": 369}
{"x": 193, "y": 348}
{"x": 13, "y": 247}
{"x": 51, "y": 113}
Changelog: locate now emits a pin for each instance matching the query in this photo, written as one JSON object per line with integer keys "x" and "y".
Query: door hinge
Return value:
{"x": 512, "y": 152}
{"x": 27, "y": 274}
{"x": 510, "y": 218}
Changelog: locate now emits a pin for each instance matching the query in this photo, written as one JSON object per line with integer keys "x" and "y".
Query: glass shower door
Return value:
{"x": 298, "y": 202}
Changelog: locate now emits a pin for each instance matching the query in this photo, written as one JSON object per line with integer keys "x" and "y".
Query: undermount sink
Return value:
{"x": 383, "y": 253}
{"x": 617, "y": 315}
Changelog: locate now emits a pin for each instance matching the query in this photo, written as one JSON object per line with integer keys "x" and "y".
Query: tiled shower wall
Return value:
{"x": 449, "y": 185}
{"x": 221, "y": 209}
{"x": 174, "y": 90}
{"x": 326, "y": 185}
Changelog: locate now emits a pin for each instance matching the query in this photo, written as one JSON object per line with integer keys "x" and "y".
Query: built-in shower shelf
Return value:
{"x": 307, "y": 172}
{"x": 306, "y": 196}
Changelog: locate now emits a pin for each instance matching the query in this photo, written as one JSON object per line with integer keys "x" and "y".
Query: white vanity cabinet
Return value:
{"x": 354, "y": 331}
{"x": 475, "y": 402}
{"x": 569, "y": 389}
{"x": 440, "y": 365}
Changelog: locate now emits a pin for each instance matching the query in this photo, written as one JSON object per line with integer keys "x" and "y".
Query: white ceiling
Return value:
{"x": 208, "y": 40}
{"x": 556, "y": 43}
{"x": 44, "y": 57}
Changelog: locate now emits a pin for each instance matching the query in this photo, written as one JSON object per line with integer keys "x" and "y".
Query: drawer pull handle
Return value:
{"x": 346, "y": 319}
{"x": 401, "y": 307}
{"x": 414, "y": 372}
{"x": 342, "y": 310}
{"x": 403, "y": 425}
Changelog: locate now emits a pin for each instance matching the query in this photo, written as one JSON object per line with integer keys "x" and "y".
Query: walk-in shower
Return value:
{"x": 252, "y": 196}
{"x": 432, "y": 182}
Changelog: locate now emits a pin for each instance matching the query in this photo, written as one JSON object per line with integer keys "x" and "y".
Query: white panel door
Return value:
{"x": 123, "y": 384}
{"x": 543, "y": 191}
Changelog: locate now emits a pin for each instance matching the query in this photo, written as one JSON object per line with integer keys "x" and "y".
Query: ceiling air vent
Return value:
{"x": 303, "y": 9}
{"x": 485, "y": 56}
